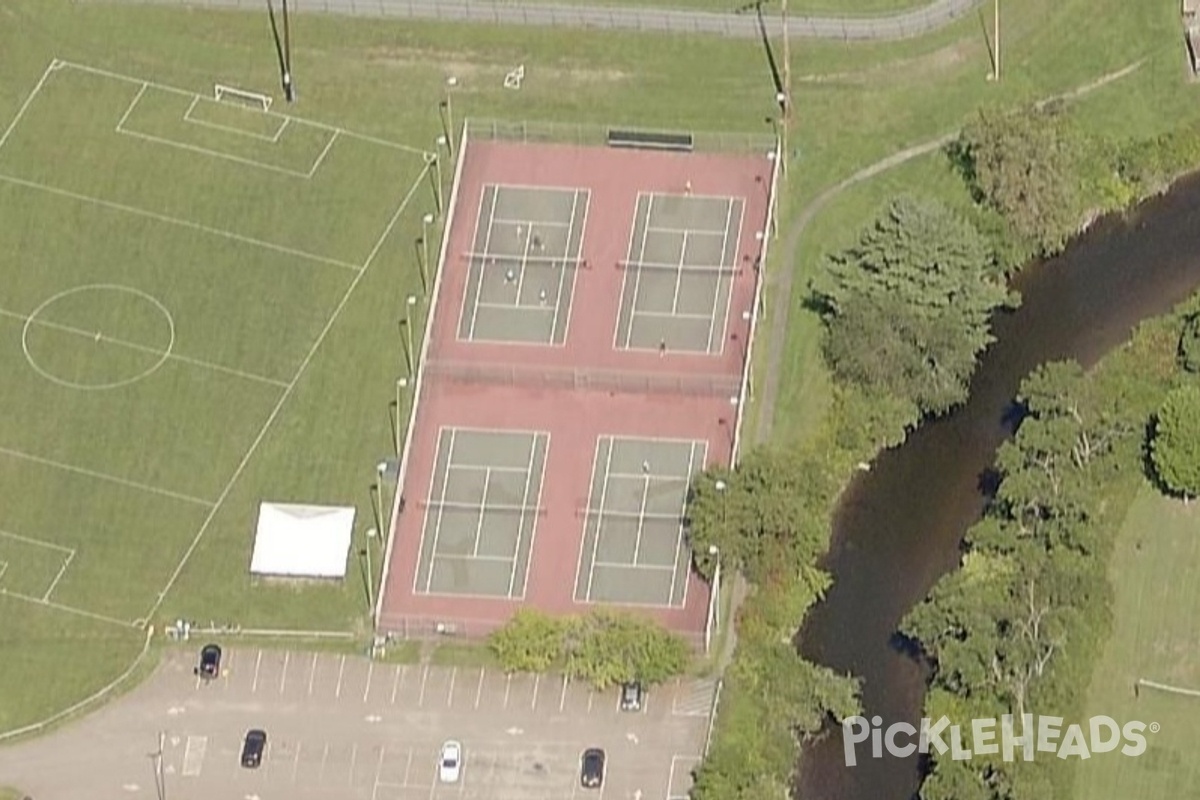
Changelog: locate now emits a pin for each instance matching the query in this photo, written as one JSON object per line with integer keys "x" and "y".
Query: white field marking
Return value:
{"x": 681, "y": 540}
{"x": 43, "y": 323}
{"x": 612, "y": 445}
{"x": 378, "y": 772}
{"x": 4, "y": 569}
{"x": 353, "y": 759}
{"x": 300, "y": 120}
{"x": 47, "y": 462}
{"x": 507, "y": 688}
{"x": 424, "y": 679}
{"x": 283, "y": 675}
{"x": 187, "y": 117}
{"x": 479, "y": 687}
{"x": 137, "y": 98}
{"x": 341, "y": 671}
{"x": 316, "y": 164}
{"x": 61, "y": 571}
{"x": 257, "y": 664}
{"x": 537, "y": 680}
{"x": 562, "y": 700}
{"x": 287, "y": 392}
{"x": 396, "y": 680}
{"x": 512, "y": 576}
{"x": 82, "y": 612}
{"x": 370, "y": 673}
{"x": 204, "y": 151}
{"x": 38, "y": 543}
{"x": 450, "y": 695}
{"x": 437, "y": 527}
{"x": 53, "y": 65}
{"x": 312, "y": 675}
{"x": 237, "y": 237}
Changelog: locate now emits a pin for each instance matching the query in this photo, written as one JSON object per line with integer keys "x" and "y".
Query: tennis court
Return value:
{"x": 522, "y": 265}
{"x": 482, "y": 513}
{"x": 634, "y": 551}
{"x": 678, "y": 277}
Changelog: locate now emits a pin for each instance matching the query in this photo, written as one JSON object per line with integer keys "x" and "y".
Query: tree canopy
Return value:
{"x": 1175, "y": 448}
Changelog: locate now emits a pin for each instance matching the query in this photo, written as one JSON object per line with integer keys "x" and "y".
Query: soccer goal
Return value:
{"x": 231, "y": 94}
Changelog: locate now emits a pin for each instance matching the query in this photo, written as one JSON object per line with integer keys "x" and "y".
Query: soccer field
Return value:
{"x": 177, "y": 277}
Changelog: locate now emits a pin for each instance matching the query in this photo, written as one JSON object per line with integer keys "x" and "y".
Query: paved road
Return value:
{"x": 534, "y": 12}
{"x": 345, "y": 727}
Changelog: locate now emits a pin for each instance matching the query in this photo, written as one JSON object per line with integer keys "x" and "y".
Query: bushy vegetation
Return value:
{"x": 1175, "y": 448}
{"x": 603, "y": 648}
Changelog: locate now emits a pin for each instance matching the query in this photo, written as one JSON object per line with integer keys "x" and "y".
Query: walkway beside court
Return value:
{"x": 904, "y": 25}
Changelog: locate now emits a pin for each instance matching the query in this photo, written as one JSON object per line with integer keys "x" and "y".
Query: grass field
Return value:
{"x": 248, "y": 247}
{"x": 840, "y": 8}
{"x": 1154, "y": 638}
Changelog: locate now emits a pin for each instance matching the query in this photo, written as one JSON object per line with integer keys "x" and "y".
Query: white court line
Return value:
{"x": 183, "y": 223}
{"x": 170, "y": 355}
{"x": 533, "y": 309}
{"x": 453, "y": 677}
{"x": 257, "y": 664}
{"x": 670, "y": 315}
{"x": 370, "y": 672}
{"x": 612, "y": 445}
{"x": 678, "y": 274}
{"x": 101, "y": 476}
{"x": 577, "y": 265}
{"x": 341, "y": 672}
{"x": 717, "y": 291}
{"x": 312, "y": 675}
{"x": 437, "y": 527}
{"x": 424, "y": 680}
{"x": 397, "y": 679}
{"x": 487, "y": 242}
{"x": 637, "y": 542}
{"x": 477, "y": 467}
{"x": 512, "y": 576}
{"x": 283, "y": 675}
{"x": 37, "y": 88}
{"x": 487, "y": 481}
{"x": 287, "y": 392}
{"x": 479, "y": 687}
{"x": 637, "y": 279}
{"x": 628, "y": 565}
{"x": 741, "y": 203}
{"x": 694, "y": 231}
{"x": 562, "y": 271}
{"x": 175, "y": 90}
{"x": 681, "y": 541}
{"x": 586, "y": 518}
{"x": 529, "y": 237}
{"x": 548, "y": 223}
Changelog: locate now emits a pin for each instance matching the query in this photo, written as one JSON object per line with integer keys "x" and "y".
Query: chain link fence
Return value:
{"x": 683, "y": 21}
{"x": 575, "y": 379}
{"x": 595, "y": 135}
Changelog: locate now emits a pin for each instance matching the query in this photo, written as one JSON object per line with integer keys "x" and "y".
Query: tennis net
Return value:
{"x": 684, "y": 268}
{"x": 584, "y": 379}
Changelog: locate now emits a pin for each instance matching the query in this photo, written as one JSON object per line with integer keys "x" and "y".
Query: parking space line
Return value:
{"x": 398, "y": 679}
{"x": 591, "y": 699}
{"x": 450, "y": 694}
{"x": 479, "y": 688}
{"x": 283, "y": 675}
{"x": 257, "y": 664}
{"x": 341, "y": 672}
{"x": 370, "y": 673}
{"x": 537, "y": 680}
{"x": 296, "y": 762}
{"x": 324, "y": 758}
{"x": 353, "y": 759}
{"x": 312, "y": 675}
{"x": 378, "y": 771}
{"x": 424, "y": 678}
{"x": 408, "y": 766}
{"x": 507, "y": 687}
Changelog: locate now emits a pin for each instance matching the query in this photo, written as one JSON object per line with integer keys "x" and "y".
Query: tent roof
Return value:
{"x": 302, "y": 541}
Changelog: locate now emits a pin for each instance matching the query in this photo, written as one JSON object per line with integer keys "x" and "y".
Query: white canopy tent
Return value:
{"x": 300, "y": 541}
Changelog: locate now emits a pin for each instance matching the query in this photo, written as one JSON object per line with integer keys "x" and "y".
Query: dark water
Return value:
{"x": 899, "y": 526}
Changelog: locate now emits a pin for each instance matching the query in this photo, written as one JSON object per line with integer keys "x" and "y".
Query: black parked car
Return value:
{"x": 632, "y": 695}
{"x": 210, "y": 661}
{"x": 591, "y": 768}
{"x": 253, "y": 747}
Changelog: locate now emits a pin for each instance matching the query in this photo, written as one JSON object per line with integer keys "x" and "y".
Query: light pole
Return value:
{"x": 370, "y": 571}
{"x": 401, "y": 383}
{"x": 784, "y": 110}
{"x": 434, "y": 161}
{"x": 426, "y": 221}
{"x": 714, "y": 594}
{"x": 408, "y": 331}
{"x": 448, "y": 121}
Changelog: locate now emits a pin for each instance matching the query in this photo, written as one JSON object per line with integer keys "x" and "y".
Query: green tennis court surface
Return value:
{"x": 482, "y": 512}
{"x": 634, "y": 551}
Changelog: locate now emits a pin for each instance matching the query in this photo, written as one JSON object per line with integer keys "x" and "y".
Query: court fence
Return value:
{"x": 596, "y": 135}
{"x": 398, "y": 626}
{"x": 571, "y": 378}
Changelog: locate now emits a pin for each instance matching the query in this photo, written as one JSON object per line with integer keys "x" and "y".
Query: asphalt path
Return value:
{"x": 733, "y": 24}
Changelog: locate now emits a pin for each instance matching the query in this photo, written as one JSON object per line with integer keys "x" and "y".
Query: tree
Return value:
{"x": 908, "y": 307}
{"x": 530, "y": 642}
{"x": 1189, "y": 344}
{"x": 1022, "y": 163}
{"x": 1175, "y": 448}
{"x": 610, "y": 647}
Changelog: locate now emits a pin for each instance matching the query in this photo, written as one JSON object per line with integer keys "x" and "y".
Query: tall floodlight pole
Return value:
{"x": 426, "y": 221}
{"x": 448, "y": 122}
{"x": 408, "y": 329}
{"x": 432, "y": 160}
{"x": 288, "y": 92}
{"x": 996, "y": 13}
{"x": 370, "y": 571}
{"x": 787, "y": 81}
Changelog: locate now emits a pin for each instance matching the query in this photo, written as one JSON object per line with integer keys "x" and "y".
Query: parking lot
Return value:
{"x": 347, "y": 727}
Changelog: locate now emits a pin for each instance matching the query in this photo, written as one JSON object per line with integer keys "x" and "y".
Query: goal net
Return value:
{"x": 242, "y": 97}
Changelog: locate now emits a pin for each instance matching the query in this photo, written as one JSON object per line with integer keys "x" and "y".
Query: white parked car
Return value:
{"x": 450, "y": 762}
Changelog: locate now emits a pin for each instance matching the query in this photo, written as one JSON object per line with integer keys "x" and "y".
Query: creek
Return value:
{"x": 899, "y": 527}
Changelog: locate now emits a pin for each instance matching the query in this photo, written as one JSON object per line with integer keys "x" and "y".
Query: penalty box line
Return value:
{"x": 287, "y": 393}
{"x": 68, "y": 557}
